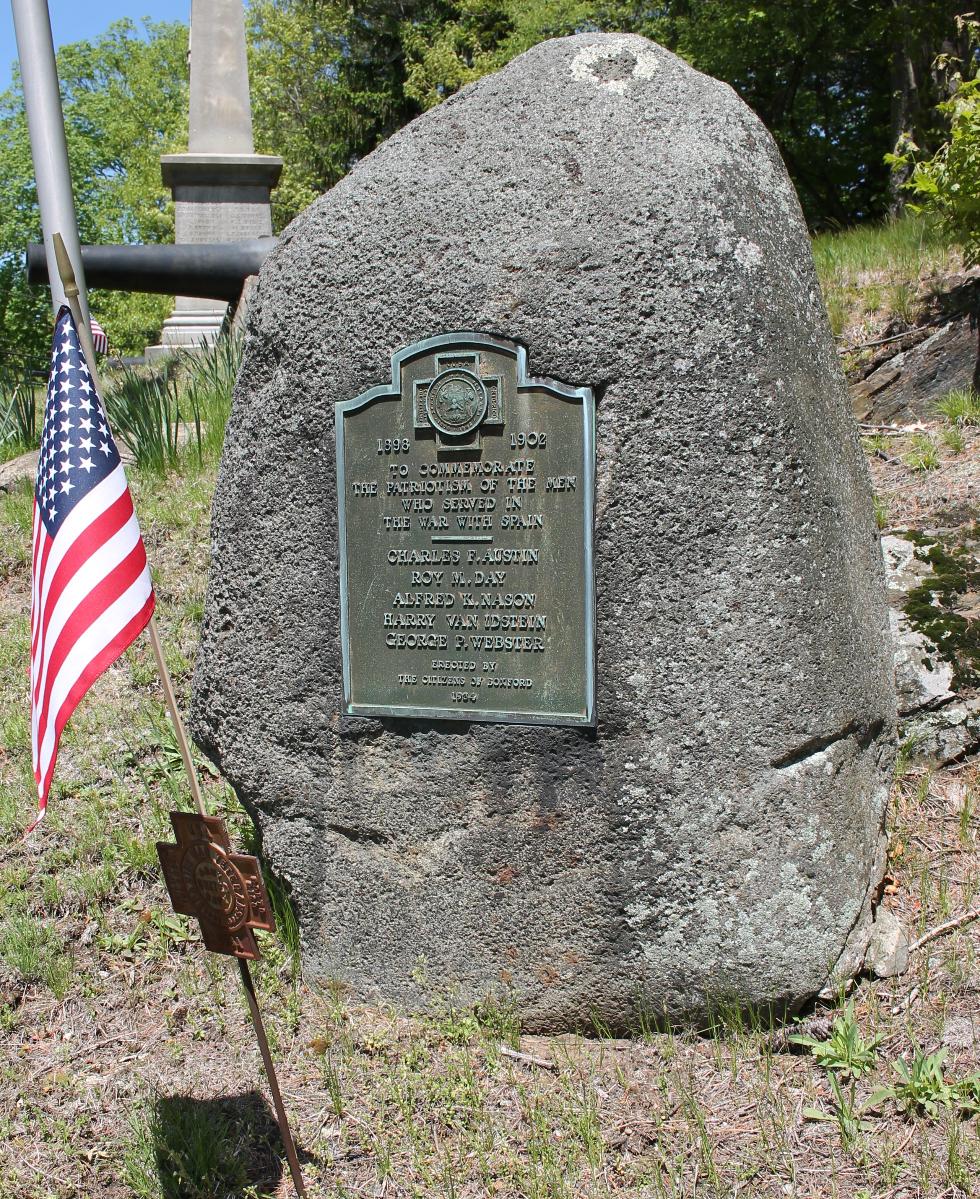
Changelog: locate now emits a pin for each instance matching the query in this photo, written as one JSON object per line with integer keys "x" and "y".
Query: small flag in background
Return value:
{"x": 100, "y": 339}
{"x": 91, "y": 592}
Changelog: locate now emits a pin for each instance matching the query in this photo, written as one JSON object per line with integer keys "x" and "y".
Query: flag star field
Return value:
{"x": 77, "y": 448}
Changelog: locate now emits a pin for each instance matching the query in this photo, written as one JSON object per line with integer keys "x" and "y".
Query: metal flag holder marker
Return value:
{"x": 223, "y": 890}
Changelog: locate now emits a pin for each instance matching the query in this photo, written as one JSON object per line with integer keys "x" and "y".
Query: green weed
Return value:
{"x": 16, "y": 521}
{"x": 153, "y": 934}
{"x": 902, "y": 301}
{"x": 908, "y": 750}
{"x": 953, "y": 439}
{"x": 876, "y": 268}
{"x": 881, "y": 511}
{"x": 178, "y": 413}
{"x": 845, "y": 1052}
{"x": 964, "y": 819}
{"x": 18, "y": 416}
{"x": 331, "y": 1079}
{"x": 183, "y": 1149}
{"x": 921, "y": 1085}
{"x": 145, "y": 410}
{"x": 845, "y": 1112}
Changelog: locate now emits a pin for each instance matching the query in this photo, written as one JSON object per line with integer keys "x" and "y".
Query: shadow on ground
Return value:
{"x": 214, "y": 1148}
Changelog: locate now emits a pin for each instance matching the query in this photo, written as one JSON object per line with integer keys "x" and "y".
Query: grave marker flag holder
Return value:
{"x": 223, "y": 890}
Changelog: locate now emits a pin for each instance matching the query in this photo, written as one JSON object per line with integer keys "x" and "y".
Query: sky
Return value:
{"x": 72, "y": 21}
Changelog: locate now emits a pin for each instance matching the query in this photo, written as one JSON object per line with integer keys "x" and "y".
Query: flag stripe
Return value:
{"x": 36, "y": 573}
{"x": 88, "y": 509}
{"x": 93, "y": 554}
{"x": 100, "y": 341}
{"x": 102, "y": 661}
{"x": 76, "y": 654}
{"x": 124, "y": 563}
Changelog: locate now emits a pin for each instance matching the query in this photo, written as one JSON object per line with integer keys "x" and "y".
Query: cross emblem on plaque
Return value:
{"x": 457, "y": 400}
{"x": 223, "y": 890}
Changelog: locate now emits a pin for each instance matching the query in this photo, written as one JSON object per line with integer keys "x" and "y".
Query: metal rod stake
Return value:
{"x": 270, "y": 1073}
{"x": 168, "y": 692}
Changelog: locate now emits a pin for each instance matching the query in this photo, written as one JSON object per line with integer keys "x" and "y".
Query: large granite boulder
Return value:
{"x": 719, "y": 835}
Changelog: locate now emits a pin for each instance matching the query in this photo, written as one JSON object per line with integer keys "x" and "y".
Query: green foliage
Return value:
{"x": 145, "y": 410}
{"x": 208, "y": 379}
{"x": 124, "y": 96}
{"x": 845, "y": 1112}
{"x": 867, "y": 269}
{"x": 953, "y": 439}
{"x": 921, "y": 1085}
{"x": 882, "y": 512}
{"x": 922, "y": 454}
{"x": 176, "y": 411}
{"x": 948, "y": 184}
{"x": 845, "y": 1051}
{"x": 185, "y": 1149}
{"x": 18, "y": 416}
{"x": 330, "y": 81}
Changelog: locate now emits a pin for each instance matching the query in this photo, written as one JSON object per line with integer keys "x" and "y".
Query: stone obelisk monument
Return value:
{"x": 220, "y": 186}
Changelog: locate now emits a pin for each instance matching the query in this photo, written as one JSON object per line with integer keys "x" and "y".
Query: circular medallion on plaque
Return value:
{"x": 456, "y": 402}
{"x": 215, "y": 880}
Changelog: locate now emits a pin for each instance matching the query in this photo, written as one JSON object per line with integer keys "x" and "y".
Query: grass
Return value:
{"x": 873, "y": 271}
{"x": 33, "y": 950}
{"x": 161, "y": 412}
{"x": 960, "y": 407}
{"x": 846, "y": 1051}
{"x": 180, "y": 1149}
{"x": 923, "y": 454}
{"x": 19, "y": 430}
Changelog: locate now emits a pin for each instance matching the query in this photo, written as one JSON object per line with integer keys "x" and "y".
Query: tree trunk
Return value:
{"x": 905, "y": 105}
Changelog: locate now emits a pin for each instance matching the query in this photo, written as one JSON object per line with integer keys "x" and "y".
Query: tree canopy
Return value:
{"x": 839, "y": 83}
{"x": 125, "y": 103}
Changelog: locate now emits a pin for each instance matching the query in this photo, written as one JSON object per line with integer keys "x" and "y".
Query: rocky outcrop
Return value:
{"x": 905, "y": 378}
{"x": 15, "y": 470}
{"x": 940, "y": 721}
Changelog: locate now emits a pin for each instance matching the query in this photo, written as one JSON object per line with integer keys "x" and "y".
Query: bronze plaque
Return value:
{"x": 466, "y": 494}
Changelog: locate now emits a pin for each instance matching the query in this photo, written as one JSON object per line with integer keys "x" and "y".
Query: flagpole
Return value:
{"x": 70, "y": 286}
{"x": 49, "y": 150}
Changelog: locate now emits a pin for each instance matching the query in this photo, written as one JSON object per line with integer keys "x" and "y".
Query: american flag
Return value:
{"x": 91, "y": 593}
{"x": 100, "y": 339}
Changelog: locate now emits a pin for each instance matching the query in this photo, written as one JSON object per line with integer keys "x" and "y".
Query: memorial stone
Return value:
{"x": 596, "y": 238}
